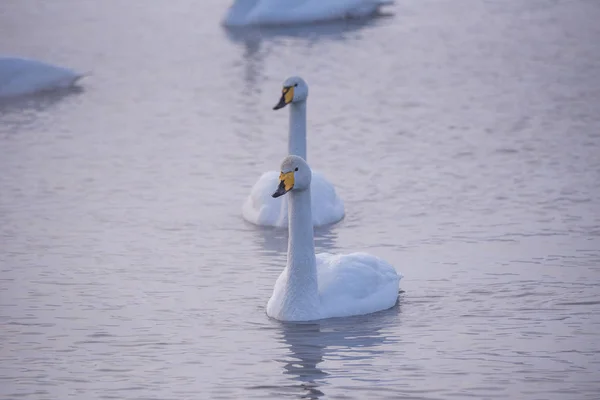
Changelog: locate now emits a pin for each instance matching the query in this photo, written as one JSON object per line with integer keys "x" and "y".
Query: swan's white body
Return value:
{"x": 280, "y": 12}
{"x": 261, "y": 209}
{"x": 322, "y": 286}
{"x": 20, "y": 76}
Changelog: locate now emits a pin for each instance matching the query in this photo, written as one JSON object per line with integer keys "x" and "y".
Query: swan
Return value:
{"x": 20, "y": 76}
{"x": 324, "y": 285}
{"x": 279, "y": 12}
{"x": 260, "y": 207}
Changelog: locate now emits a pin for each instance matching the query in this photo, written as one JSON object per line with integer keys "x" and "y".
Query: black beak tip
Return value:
{"x": 280, "y": 190}
{"x": 281, "y": 104}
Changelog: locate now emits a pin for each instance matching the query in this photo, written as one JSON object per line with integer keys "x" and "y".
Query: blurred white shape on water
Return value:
{"x": 282, "y": 12}
{"x": 20, "y": 76}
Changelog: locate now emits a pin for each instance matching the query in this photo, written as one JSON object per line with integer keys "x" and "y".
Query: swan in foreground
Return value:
{"x": 260, "y": 207}
{"x": 20, "y": 76}
{"x": 325, "y": 285}
{"x": 279, "y": 12}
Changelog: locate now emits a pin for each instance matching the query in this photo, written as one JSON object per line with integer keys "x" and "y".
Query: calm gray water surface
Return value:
{"x": 464, "y": 138}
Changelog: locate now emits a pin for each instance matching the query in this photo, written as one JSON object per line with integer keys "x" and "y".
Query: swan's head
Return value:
{"x": 294, "y": 90}
{"x": 295, "y": 175}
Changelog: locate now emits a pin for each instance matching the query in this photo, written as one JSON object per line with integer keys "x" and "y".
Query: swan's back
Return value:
{"x": 265, "y": 12}
{"x": 355, "y": 284}
{"x": 22, "y": 76}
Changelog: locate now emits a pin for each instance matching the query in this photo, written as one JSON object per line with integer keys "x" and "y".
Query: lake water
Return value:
{"x": 463, "y": 137}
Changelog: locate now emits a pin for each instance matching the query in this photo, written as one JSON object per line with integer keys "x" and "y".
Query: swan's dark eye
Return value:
{"x": 295, "y": 85}
{"x": 296, "y": 169}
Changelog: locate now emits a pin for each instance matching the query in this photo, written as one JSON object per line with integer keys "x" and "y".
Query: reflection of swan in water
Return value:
{"x": 39, "y": 101}
{"x": 25, "y": 111}
{"x": 259, "y": 42}
{"x": 339, "y": 30}
{"x": 306, "y": 352}
{"x": 341, "y": 339}
{"x": 252, "y": 68}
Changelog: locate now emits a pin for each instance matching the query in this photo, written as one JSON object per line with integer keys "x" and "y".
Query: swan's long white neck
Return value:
{"x": 302, "y": 291}
{"x": 297, "y": 135}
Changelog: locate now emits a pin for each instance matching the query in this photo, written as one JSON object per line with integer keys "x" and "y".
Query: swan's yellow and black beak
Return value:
{"x": 287, "y": 95}
{"x": 286, "y": 183}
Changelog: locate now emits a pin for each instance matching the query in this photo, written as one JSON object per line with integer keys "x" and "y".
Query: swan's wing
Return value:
{"x": 327, "y": 207}
{"x": 354, "y": 284}
{"x": 261, "y": 208}
{"x": 331, "y": 9}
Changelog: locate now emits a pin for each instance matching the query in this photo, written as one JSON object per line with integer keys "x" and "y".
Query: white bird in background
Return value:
{"x": 281, "y": 12}
{"x": 21, "y": 76}
{"x": 260, "y": 207}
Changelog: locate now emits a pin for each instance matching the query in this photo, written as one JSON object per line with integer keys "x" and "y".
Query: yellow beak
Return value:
{"x": 287, "y": 95}
{"x": 286, "y": 183}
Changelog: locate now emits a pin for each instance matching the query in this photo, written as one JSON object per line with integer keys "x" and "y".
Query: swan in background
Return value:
{"x": 20, "y": 76}
{"x": 280, "y": 12}
{"x": 260, "y": 207}
{"x": 313, "y": 287}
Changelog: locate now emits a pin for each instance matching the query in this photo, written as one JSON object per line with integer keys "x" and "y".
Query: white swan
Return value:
{"x": 260, "y": 207}
{"x": 20, "y": 76}
{"x": 321, "y": 286}
{"x": 279, "y": 12}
